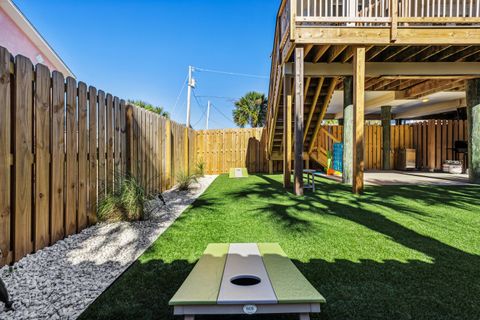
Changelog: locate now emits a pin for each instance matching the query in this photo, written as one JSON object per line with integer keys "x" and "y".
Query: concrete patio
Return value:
{"x": 390, "y": 178}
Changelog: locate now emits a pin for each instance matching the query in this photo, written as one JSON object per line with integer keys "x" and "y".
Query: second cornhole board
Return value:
{"x": 238, "y": 173}
{"x": 209, "y": 289}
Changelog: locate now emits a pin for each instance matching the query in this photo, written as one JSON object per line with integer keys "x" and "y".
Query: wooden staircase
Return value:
{"x": 317, "y": 95}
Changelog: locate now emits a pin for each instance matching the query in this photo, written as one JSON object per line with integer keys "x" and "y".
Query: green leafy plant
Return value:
{"x": 126, "y": 203}
{"x": 200, "y": 168}
{"x": 251, "y": 109}
{"x": 185, "y": 180}
{"x": 150, "y": 107}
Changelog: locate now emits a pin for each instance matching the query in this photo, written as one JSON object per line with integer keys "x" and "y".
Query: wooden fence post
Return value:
{"x": 92, "y": 155}
{"x": 129, "y": 136}
{"x": 168, "y": 153}
{"x": 5, "y": 156}
{"x": 185, "y": 151}
{"x": 431, "y": 145}
{"x": 386, "y": 128}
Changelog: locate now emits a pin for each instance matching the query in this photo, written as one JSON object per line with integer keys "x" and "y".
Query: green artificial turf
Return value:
{"x": 396, "y": 252}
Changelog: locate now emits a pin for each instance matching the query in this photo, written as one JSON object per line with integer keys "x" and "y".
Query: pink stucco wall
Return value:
{"x": 17, "y": 42}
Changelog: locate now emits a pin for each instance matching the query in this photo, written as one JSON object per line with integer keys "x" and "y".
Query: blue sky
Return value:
{"x": 142, "y": 49}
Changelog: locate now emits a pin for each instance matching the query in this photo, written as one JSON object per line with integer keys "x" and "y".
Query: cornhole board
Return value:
{"x": 246, "y": 278}
{"x": 238, "y": 173}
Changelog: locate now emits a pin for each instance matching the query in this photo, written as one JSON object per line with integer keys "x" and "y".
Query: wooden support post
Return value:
{"x": 185, "y": 152}
{"x": 473, "y": 117}
{"x": 270, "y": 166}
{"x": 299, "y": 70}
{"x": 287, "y": 133}
{"x": 431, "y": 145}
{"x": 347, "y": 175}
{"x": 358, "y": 116}
{"x": 168, "y": 154}
{"x": 130, "y": 141}
{"x": 386, "y": 128}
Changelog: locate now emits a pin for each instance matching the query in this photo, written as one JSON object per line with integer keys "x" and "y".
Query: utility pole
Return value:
{"x": 191, "y": 85}
{"x": 208, "y": 112}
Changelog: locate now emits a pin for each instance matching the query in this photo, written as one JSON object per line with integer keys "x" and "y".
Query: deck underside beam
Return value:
{"x": 391, "y": 69}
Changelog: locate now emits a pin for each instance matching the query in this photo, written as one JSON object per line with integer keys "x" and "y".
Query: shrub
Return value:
{"x": 185, "y": 180}
{"x": 125, "y": 204}
{"x": 200, "y": 168}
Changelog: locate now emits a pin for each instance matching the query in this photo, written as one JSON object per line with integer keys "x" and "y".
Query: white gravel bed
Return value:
{"x": 61, "y": 281}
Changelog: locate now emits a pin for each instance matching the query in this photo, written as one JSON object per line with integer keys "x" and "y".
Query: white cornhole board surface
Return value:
{"x": 245, "y": 259}
{"x": 238, "y": 173}
{"x": 208, "y": 289}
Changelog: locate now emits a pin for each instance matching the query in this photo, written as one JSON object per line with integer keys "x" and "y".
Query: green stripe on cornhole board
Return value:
{"x": 289, "y": 284}
{"x": 203, "y": 283}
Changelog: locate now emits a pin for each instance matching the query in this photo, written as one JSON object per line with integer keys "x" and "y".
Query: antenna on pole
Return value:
{"x": 208, "y": 113}
{"x": 191, "y": 85}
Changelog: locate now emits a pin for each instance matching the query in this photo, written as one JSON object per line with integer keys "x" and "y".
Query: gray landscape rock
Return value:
{"x": 61, "y": 281}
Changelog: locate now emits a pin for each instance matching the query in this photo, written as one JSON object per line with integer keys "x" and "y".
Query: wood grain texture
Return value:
{"x": 109, "y": 129}
{"x": 92, "y": 155}
{"x": 117, "y": 162}
{"x": 299, "y": 124}
{"x": 5, "y": 156}
{"x": 358, "y": 119}
{"x": 102, "y": 178}
{"x": 123, "y": 137}
{"x": 71, "y": 171}
{"x": 82, "y": 216}
{"x": 42, "y": 156}
{"x": 58, "y": 157}
{"x": 23, "y": 156}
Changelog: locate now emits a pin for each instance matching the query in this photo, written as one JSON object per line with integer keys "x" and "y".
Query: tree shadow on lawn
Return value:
{"x": 446, "y": 288}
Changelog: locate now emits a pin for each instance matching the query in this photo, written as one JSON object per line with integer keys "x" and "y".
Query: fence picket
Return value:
{"x": 58, "y": 157}
{"x": 23, "y": 155}
{"x": 82, "y": 219}
{"x": 71, "y": 163}
{"x": 5, "y": 156}
{"x": 92, "y": 155}
{"x": 42, "y": 157}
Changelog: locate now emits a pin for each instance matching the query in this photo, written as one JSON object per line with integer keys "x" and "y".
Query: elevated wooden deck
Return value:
{"x": 413, "y": 48}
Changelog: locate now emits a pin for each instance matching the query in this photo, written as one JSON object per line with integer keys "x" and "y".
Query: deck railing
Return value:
{"x": 383, "y": 13}
{"x": 379, "y": 11}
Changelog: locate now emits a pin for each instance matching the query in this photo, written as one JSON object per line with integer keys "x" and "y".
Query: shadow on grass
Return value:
{"x": 446, "y": 288}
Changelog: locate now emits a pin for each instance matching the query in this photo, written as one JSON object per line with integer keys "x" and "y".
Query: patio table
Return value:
{"x": 245, "y": 278}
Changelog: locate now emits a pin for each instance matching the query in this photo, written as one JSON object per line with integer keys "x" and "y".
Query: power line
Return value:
{"x": 219, "y": 111}
{"x": 232, "y": 73}
{"x": 200, "y": 105}
{"x": 179, "y": 95}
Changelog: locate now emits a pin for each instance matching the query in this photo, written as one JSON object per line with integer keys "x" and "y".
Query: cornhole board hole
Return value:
{"x": 238, "y": 173}
{"x": 245, "y": 278}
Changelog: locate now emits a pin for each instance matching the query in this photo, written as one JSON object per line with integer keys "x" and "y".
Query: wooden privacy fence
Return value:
{"x": 221, "y": 150}
{"x": 63, "y": 146}
{"x": 328, "y": 135}
{"x": 156, "y": 147}
{"x": 433, "y": 141}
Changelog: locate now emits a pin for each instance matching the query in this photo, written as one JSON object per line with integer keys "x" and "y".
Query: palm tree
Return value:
{"x": 251, "y": 109}
{"x": 148, "y": 106}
